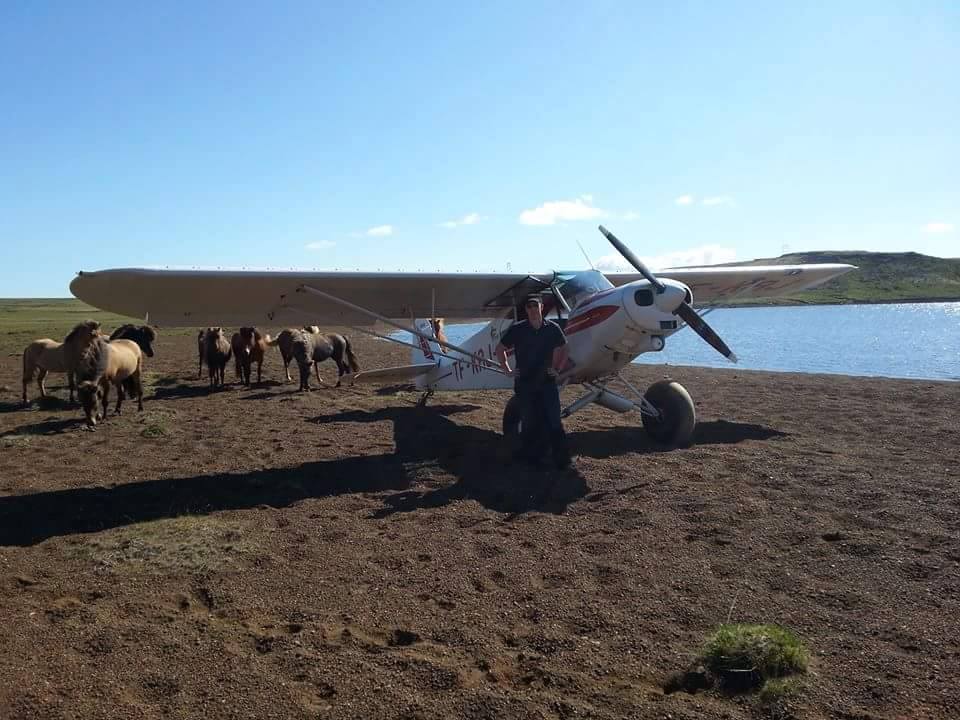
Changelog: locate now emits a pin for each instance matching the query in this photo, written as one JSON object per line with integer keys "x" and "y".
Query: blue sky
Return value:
{"x": 441, "y": 136}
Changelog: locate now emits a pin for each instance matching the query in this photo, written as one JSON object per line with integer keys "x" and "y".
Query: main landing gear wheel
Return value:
{"x": 677, "y": 419}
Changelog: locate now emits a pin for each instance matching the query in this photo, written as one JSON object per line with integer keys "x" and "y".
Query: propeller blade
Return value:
{"x": 632, "y": 259}
{"x": 700, "y": 327}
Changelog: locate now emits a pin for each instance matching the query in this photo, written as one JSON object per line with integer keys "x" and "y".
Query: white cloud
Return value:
{"x": 684, "y": 200}
{"x": 718, "y": 200}
{"x": 470, "y": 219}
{"x": 551, "y": 212}
{"x": 698, "y": 256}
{"x": 631, "y": 215}
{"x": 320, "y": 245}
{"x": 380, "y": 231}
{"x": 938, "y": 227}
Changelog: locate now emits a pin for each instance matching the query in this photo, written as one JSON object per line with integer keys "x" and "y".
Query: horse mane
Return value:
{"x": 149, "y": 333}
{"x": 91, "y": 325}
{"x": 93, "y": 360}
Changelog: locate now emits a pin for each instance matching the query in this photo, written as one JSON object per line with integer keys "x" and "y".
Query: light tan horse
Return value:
{"x": 119, "y": 363}
{"x": 46, "y": 355}
{"x": 40, "y": 357}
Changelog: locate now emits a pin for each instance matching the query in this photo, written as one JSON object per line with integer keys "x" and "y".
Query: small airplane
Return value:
{"x": 609, "y": 319}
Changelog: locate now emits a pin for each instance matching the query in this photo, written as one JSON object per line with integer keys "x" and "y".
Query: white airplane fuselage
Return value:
{"x": 605, "y": 332}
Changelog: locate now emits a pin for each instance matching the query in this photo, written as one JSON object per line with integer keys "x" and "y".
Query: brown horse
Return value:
{"x": 241, "y": 356}
{"x": 217, "y": 353}
{"x": 258, "y": 344}
{"x": 105, "y": 363}
{"x": 48, "y": 355}
{"x": 437, "y": 324}
{"x": 285, "y": 342}
{"x": 311, "y": 347}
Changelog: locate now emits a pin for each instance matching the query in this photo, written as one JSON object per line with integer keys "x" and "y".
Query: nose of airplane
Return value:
{"x": 671, "y": 298}
{"x": 645, "y": 297}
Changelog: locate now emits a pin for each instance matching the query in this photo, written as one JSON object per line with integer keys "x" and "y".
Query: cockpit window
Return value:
{"x": 576, "y": 287}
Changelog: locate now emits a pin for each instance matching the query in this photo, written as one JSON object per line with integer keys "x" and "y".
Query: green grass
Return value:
{"x": 54, "y": 317}
{"x": 770, "y": 651}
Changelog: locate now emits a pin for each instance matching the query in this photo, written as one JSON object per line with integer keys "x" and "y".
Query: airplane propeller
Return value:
{"x": 684, "y": 311}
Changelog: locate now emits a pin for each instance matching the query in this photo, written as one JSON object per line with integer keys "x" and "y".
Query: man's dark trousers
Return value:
{"x": 540, "y": 418}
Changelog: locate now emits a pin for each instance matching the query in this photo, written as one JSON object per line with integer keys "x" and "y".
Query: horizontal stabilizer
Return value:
{"x": 394, "y": 374}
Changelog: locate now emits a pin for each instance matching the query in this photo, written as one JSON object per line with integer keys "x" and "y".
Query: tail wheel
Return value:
{"x": 677, "y": 418}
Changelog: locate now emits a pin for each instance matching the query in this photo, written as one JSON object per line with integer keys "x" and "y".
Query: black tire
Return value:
{"x": 511, "y": 420}
{"x": 678, "y": 417}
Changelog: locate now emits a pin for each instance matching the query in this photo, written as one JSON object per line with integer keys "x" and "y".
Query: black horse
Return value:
{"x": 144, "y": 336}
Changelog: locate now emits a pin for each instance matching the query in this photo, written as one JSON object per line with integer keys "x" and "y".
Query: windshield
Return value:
{"x": 574, "y": 287}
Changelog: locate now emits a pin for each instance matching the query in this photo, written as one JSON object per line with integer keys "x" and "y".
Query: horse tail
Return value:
{"x": 351, "y": 358}
{"x": 28, "y": 364}
{"x": 272, "y": 342}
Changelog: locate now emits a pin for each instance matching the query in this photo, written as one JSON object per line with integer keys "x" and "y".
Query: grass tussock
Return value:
{"x": 766, "y": 659}
{"x": 769, "y": 651}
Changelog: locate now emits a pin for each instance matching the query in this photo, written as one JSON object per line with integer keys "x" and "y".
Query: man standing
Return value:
{"x": 540, "y": 350}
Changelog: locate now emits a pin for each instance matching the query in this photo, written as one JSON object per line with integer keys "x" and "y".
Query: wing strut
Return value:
{"x": 495, "y": 367}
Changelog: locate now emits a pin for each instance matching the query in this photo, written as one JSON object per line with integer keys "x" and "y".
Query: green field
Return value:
{"x": 879, "y": 278}
{"x": 55, "y": 317}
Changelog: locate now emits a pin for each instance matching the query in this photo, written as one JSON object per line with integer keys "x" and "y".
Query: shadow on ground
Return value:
{"x": 425, "y": 439}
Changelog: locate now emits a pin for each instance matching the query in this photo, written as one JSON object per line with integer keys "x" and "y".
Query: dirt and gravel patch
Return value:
{"x": 258, "y": 553}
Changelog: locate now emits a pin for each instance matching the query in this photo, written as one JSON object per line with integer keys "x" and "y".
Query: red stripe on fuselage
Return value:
{"x": 593, "y": 316}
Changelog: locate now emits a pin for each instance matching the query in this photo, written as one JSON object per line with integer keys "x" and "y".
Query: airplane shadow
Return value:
{"x": 611, "y": 442}
{"x": 424, "y": 439}
{"x": 183, "y": 391}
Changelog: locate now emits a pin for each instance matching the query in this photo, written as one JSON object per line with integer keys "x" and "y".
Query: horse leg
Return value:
{"x": 259, "y": 371}
{"x": 40, "y": 377}
{"x": 120, "y": 394}
{"x": 70, "y": 382}
{"x": 106, "y": 400}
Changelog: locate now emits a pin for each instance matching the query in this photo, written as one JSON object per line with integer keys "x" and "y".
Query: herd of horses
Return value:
{"x": 94, "y": 362}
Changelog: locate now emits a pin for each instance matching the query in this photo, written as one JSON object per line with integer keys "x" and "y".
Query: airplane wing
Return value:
{"x": 709, "y": 284}
{"x": 194, "y": 298}
{"x": 402, "y": 373}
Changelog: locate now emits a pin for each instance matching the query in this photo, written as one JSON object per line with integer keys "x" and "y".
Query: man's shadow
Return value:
{"x": 426, "y": 438}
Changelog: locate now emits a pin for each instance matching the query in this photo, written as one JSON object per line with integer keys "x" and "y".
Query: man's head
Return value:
{"x": 534, "y": 307}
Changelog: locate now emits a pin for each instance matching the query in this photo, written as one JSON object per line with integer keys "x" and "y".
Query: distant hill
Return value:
{"x": 879, "y": 278}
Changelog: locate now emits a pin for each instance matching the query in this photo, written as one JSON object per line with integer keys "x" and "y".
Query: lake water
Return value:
{"x": 914, "y": 340}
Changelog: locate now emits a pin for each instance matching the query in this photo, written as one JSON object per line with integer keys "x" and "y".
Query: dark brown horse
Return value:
{"x": 142, "y": 335}
{"x": 201, "y": 350}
